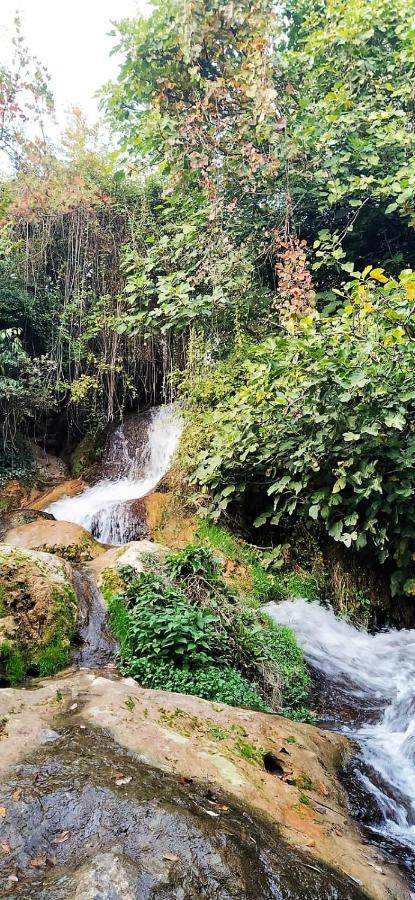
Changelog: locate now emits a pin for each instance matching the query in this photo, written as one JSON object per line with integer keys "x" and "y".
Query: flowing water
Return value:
{"x": 97, "y": 647}
{"x": 369, "y": 681}
{"x": 136, "y": 469}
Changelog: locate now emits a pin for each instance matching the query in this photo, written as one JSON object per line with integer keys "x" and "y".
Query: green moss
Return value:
{"x": 54, "y": 653}
{"x": 251, "y": 752}
{"x": 88, "y": 452}
{"x": 12, "y": 663}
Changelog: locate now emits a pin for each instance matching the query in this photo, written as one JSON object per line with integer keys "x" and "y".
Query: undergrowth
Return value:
{"x": 184, "y": 629}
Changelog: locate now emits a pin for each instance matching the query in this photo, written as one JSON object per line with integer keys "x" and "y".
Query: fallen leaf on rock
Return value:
{"x": 62, "y": 837}
{"x": 17, "y": 794}
{"x": 125, "y": 780}
{"x": 38, "y": 862}
{"x": 171, "y": 857}
{"x": 3, "y": 811}
{"x": 222, "y": 807}
{"x": 185, "y": 780}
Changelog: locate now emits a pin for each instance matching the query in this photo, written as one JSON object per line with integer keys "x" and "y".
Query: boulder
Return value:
{"x": 70, "y": 541}
{"x": 38, "y": 612}
{"x": 69, "y": 488}
{"x": 281, "y": 772}
{"x": 133, "y": 554}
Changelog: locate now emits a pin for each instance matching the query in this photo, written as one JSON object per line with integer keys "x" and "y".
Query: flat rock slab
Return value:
{"x": 283, "y": 771}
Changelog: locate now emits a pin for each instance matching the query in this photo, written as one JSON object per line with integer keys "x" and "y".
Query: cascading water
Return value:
{"x": 375, "y": 677}
{"x": 104, "y": 508}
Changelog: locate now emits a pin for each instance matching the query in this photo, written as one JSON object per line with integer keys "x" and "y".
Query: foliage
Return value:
{"x": 163, "y": 624}
{"x": 184, "y": 628}
{"x": 24, "y": 97}
{"x": 320, "y": 426}
{"x": 51, "y": 659}
{"x": 223, "y": 685}
{"x": 12, "y": 664}
{"x": 257, "y": 583}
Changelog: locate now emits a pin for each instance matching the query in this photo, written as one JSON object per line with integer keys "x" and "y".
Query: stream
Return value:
{"x": 366, "y": 689}
{"x": 156, "y": 838}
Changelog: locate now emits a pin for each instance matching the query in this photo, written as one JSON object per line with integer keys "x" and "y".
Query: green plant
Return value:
{"x": 174, "y": 634}
{"x": 193, "y": 560}
{"x": 259, "y": 584}
{"x": 223, "y": 685}
{"x": 12, "y": 663}
{"x": 321, "y": 431}
{"x": 163, "y": 624}
{"x": 51, "y": 659}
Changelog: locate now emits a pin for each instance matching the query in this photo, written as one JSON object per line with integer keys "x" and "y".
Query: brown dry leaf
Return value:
{"x": 51, "y": 860}
{"x": 17, "y": 794}
{"x": 222, "y": 807}
{"x": 3, "y": 811}
{"x": 62, "y": 837}
{"x": 323, "y": 789}
{"x": 171, "y": 857}
{"x": 185, "y": 780}
{"x": 38, "y": 862}
{"x": 5, "y": 847}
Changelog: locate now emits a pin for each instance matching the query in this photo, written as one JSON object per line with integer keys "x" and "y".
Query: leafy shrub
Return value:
{"x": 223, "y": 685}
{"x": 193, "y": 560}
{"x": 321, "y": 426}
{"x": 192, "y": 634}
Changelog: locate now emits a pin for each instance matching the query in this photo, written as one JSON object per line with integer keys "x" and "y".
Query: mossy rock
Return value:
{"x": 87, "y": 454}
{"x": 38, "y": 613}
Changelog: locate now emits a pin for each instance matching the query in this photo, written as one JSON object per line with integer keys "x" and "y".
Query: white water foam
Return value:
{"x": 102, "y": 508}
{"x": 378, "y": 667}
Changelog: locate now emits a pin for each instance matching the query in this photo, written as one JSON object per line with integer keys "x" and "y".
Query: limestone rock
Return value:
{"x": 70, "y": 541}
{"x": 38, "y": 607}
{"x": 281, "y": 771}
{"x": 132, "y": 554}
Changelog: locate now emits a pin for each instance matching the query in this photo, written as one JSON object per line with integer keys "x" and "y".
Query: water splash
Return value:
{"x": 102, "y": 509}
{"x": 375, "y": 672}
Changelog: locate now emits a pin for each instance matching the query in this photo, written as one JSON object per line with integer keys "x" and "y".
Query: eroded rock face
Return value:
{"x": 67, "y": 540}
{"x": 247, "y": 804}
{"x": 38, "y": 607}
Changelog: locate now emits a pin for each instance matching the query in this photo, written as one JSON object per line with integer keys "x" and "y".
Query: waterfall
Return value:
{"x": 104, "y": 508}
{"x": 372, "y": 677}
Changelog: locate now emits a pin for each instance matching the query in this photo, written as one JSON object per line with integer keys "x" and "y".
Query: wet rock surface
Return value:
{"x": 85, "y": 819}
{"x": 282, "y": 772}
{"x": 96, "y": 646}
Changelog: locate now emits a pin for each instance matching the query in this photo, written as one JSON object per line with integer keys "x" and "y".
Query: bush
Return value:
{"x": 320, "y": 426}
{"x": 193, "y": 635}
{"x": 223, "y": 685}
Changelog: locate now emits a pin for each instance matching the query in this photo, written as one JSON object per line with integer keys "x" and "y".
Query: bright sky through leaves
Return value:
{"x": 71, "y": 39}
